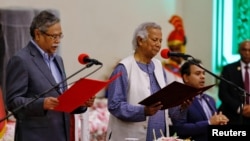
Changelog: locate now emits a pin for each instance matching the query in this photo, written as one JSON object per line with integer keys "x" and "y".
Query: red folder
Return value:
{"x": 80, "y": 92}
{"x": 3, "y": 123}
{"x": 173, "y": 95}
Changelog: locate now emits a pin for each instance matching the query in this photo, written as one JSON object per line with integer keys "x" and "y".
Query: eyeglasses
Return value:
{"x": 53, "y": 36}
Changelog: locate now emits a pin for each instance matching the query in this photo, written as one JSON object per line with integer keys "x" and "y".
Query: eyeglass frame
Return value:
{"x": 53, "y": 36}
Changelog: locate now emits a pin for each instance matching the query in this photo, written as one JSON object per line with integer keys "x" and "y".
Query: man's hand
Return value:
{"x": 152, "y": 109}
{"x": 89, "y": 102}
{"x": 50, "y": 103}
{"x": 246, "y": 110}
{"x": 218, "y": 119}
{"x": 186, "y": 103}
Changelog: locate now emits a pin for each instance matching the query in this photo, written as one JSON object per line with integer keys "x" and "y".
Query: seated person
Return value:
{"x": 202, "y": 112}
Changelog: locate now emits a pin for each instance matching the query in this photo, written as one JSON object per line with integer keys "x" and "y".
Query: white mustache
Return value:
{"x": 55, "y": 45}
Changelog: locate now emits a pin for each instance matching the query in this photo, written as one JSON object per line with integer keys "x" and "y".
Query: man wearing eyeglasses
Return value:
{"x": 32, "y": 75}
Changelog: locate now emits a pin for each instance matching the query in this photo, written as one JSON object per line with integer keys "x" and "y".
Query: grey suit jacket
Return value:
{"x": 28, "y": 76}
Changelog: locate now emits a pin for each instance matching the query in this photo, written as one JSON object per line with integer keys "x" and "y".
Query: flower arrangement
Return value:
{"x": 98, "y": 120}
{"x": 168, "y": 139}
{"x": 173, "y": 138}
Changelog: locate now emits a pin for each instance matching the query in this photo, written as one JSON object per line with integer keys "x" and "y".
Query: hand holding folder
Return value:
{"x": 173, "y": 95}
{"x": 80, "y": 92}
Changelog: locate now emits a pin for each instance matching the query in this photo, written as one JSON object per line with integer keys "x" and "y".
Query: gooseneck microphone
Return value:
{"x": 165, "y": 53}
{"x": 84, "y": 59}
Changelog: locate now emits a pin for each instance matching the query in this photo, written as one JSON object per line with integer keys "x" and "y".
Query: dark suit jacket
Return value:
{"x": 195, "y": 123}
{"x": 28, "y": 76}
{"x": 230, "y": 97}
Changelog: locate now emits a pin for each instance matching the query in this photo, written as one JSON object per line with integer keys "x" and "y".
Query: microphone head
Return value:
{"x": 82, "y": 57}
{"x": 164, "y": 53}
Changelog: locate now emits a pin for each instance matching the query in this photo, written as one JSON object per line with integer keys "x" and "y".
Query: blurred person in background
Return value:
{"x": 233, "y": 102}
{"x": 176, "y": 42}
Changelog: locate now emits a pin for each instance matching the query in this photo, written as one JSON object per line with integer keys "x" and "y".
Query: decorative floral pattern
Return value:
{"x": 98, "y": 120}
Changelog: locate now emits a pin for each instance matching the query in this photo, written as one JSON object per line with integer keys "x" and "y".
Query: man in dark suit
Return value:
{"x": 31, "y": 72}
{"x": 233, "y": 103}
{"x": 202, "y": 112}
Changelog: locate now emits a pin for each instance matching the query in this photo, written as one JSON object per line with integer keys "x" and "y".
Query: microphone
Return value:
{"x": 165, "y": 53}
{"x": 84, "y": 59}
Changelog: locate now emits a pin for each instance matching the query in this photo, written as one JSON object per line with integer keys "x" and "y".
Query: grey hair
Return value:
{"x": 43, "y": 21}
{"x": 142, "y": 32}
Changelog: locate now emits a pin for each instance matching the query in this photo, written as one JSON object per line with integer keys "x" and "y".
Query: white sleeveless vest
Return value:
{"x": 138, "y": 81}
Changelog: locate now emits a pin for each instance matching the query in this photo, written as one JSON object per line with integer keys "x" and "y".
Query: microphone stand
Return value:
{"x": 242, "y": 91}
{"x": 36, "y": 97}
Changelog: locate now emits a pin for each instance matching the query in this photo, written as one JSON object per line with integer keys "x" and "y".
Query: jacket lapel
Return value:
{"x": 41, "y": 65}
{"x": 210, "y": 104}
{"x": 199, "y": 107}
{"x": 60, "y": 67}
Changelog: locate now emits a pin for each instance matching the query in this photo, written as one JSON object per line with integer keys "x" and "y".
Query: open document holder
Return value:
{"x": 80, "y": 92}
{"x": 173, "y": 95}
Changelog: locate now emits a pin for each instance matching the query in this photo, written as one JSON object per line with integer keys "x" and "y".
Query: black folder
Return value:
{"x": 173, "y": 95}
